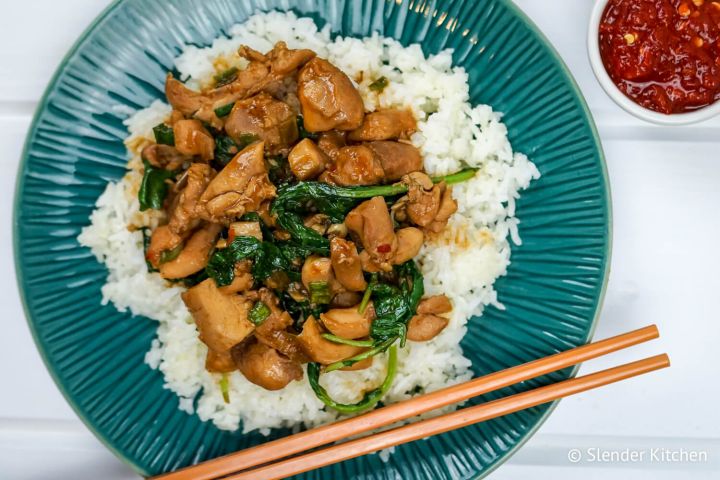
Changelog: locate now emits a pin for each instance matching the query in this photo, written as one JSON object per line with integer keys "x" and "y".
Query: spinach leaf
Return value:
{"x": 221, "y": 266}
{"x": 394, "y": 306}
{"x": 279, "y": 170}
{"x": 299, "y": 311}
{"x": 154, "y": 187}
{"x": 195, "y": 278}
{"x": 225, "y": 150}
{"x": 304, "y": 237}
{"x": 336, "y": 201}
{"x": 369, "y": 400}
{"x": 266, "y": 257}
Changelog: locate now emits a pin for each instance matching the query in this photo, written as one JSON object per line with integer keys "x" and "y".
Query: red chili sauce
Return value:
{"x": 663, "y": 54}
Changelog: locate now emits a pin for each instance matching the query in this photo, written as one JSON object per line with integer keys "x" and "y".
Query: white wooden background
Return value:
{"x": 665, "y": 270}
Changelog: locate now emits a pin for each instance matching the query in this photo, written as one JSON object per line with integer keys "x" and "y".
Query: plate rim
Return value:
{"x": 20, "y": 187}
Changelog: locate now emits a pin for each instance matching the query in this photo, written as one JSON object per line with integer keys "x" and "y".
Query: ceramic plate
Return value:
{"x": 552, "y": 291}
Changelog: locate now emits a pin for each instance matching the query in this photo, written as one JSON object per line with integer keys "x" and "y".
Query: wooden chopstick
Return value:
{"x": 451, "y": 421}
{"x": 300, "y": 442}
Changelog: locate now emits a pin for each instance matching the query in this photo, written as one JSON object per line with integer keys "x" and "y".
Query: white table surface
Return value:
{"x": 664, "y": 270}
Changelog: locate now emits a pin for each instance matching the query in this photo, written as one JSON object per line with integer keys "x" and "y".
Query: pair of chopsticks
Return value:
{"x": 238, "y": 466}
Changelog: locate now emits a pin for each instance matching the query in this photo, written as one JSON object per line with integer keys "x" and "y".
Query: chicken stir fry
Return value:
{"x": 293, "y": 216}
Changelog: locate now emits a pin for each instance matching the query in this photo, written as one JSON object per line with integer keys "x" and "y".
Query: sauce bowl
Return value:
{"x": 626, "y": 103}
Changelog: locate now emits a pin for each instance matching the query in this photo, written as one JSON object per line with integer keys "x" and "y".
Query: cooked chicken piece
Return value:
{"x": 321, "y": 350}
{"x": 331, "y": 142}
{"x": 195, "y": 254}
{"x": 244, "y": 229}
{"x": 219, "y": 362}
{"x": 385, "y": 125}
{"x": 272, "y": 331}
{"x": 265, "y": 215}
{"x": 221, "y": 319}
{"x": 428, "y": 322}
{"x": 163, "y": 240}
{"x": 361, "y": 365}
{"x": 422, "y": 328}
{"x": 270, "y": 120}
{"x": 355, "y": 165}
{"x": 328, "y": 98}
{"x": 448, "y": 206}
{"x": 368, "y": 264}
{"x": 239, "y": 187}
{"x": 371, "y": 222}
{"x": 242, "y": 281}
{"x": 306, "y": 160}
{"x": 410, "y": 241}
{"x": 345, "y": 299}
{"x": 184, "y": 214}
{"x": 315, "y": 270}
{"x": 175, "y": 116}
{"x": 265, "y": 366}
{"x": 182, "y": 99}
{"x": 191, "y": 138}
{"x": 423, "y": 199}
{"x": 348, "y": 322}
{"x": 397, "y": 159}
{"x": 427, "y": 205}
{"x": 318, "y": 270}
{"x": 318, "y": 222}
{"x": 337, "y": 230}
{"x": 346, "y": 264}
{"x": 435, "y": 305}
{"x": 164, "y": 156}
{"x": 263, "y": 72}
{"x": 281, "y": 60}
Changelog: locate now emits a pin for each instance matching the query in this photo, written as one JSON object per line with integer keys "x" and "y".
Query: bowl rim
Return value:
{"x": 622, "y": 100}
{"x": 102, "y": 436}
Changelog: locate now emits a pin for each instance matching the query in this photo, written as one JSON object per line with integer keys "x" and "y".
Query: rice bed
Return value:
{"x": 463, "y": 263}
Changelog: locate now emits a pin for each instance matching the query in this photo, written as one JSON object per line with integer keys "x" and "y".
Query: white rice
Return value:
{"x": 463, "y": 264}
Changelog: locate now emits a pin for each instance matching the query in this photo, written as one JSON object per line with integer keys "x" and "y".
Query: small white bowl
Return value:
{"x": 620, "y": 98}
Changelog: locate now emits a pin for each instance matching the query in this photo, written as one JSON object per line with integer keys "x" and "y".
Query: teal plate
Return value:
{"x": 552, "y": 291}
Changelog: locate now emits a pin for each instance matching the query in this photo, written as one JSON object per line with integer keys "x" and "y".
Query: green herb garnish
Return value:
{"x": 319, "y": 293}
{"x": 379, "y": 84}
{"x": 226, "y": 76}
{"x": 225, "y": 150}
{"x": 225, "y": 110}
{"x": 225, "y": 387}
{"x": 258, "y": 313}
{"x": 164, "y": 134}
{"x": 169, "y": 255}
{"x": 366, "y": 296}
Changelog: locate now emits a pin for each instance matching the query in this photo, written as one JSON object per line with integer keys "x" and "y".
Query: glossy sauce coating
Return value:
{"x": 663, "y": 54}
